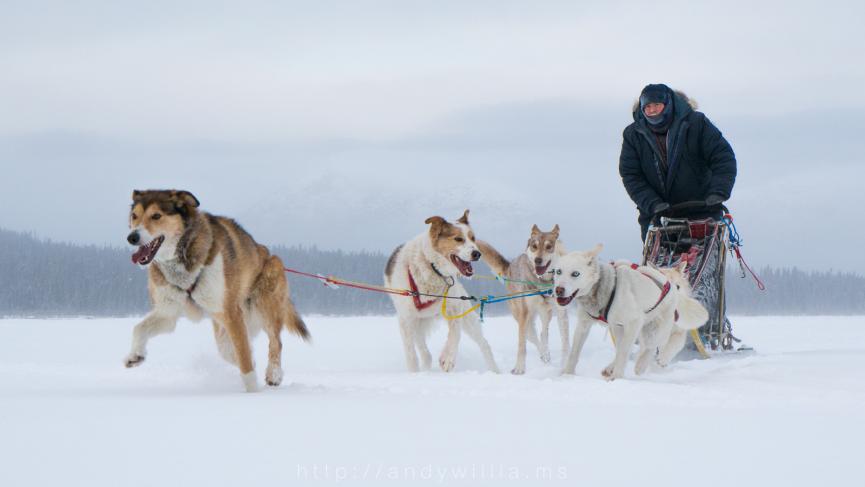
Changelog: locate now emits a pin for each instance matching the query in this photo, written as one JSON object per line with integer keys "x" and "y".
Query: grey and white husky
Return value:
{"x": 633, "y": 301}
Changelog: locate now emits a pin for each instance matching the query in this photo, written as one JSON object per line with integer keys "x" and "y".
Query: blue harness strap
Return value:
{"x": 493, "y": 300}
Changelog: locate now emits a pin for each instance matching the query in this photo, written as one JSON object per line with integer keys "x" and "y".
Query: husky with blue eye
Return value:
{"x": 200, "y": 264}
{"x": 632, "y": 301}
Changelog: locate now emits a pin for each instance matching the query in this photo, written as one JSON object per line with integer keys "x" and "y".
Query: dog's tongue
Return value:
{"x": 541, "y": 271}
{"x": 139, "y": 254}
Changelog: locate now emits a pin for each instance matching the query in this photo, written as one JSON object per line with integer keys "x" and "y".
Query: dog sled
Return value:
{"x": 704, "y": 246}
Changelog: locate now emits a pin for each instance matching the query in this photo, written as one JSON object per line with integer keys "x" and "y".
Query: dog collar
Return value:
{"x": 448, "y": 280}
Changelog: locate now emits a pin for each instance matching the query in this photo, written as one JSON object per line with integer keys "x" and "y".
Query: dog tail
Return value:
{"x": 692, "y": 314}
{"x": 294, "y": 323}
{"x": 497, "y": 262}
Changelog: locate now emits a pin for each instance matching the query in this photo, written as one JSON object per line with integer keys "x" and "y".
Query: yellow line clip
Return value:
{"x": 445, "y": 307}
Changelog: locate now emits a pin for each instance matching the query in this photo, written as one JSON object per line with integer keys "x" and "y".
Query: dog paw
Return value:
{"x": 641, "y": 367}
{"x": 425, "y": 362}
{"x": 133, "y": 360}
{"x": 274, "y": 376}
{"x": 609, "y": 373}
{"x": 546, "y": 358}
{"x": 519, "y": 370}
{"x": 250, "y": 382}
{"x": 447, "y": 364}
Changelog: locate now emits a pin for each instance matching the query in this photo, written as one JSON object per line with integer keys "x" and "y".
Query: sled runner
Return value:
{"x": 703, "y": 244}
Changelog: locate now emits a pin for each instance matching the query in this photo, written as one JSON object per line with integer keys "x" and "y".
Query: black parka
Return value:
{"x": 701, "y": 163}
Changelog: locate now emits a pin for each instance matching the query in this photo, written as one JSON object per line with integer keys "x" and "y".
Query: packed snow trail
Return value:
{"x": 348, "y": 413}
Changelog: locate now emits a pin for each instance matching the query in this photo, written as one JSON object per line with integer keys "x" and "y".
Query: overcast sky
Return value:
{"x": 346, "y": 124}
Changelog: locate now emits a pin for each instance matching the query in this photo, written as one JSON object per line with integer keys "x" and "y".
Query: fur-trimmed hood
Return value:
{"x": 680, "y": 97}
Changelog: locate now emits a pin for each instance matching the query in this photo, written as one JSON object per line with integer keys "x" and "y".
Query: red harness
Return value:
{"x": 665, "y": 290}
{"x": 415, "y": 295}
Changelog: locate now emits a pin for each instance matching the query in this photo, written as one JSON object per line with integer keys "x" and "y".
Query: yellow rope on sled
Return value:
{"x": 695, "y": 336}
{"x": 445, "y": 307}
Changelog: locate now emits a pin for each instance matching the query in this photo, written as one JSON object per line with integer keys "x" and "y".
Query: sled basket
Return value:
{"x": 702, "y": 244}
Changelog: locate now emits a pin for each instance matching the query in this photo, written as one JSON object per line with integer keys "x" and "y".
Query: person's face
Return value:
{"x": 653, "y": 109}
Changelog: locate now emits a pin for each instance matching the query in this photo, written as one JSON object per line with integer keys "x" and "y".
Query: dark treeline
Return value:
{"x": 795, "y": 292}
{"x": 45, "y": 278}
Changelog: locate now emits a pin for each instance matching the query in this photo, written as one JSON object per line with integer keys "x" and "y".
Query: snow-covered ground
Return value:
{"x": 70, "y": 414}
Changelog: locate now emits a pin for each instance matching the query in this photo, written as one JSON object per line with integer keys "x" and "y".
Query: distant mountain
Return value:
{"x": 386, "y": 212}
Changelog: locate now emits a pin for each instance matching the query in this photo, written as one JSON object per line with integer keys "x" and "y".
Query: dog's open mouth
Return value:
{"x": 541, "y": 271}
{"x": 145, "y": 253}
{"x": 464, "y": 267}
{"x": 566, "y": 300}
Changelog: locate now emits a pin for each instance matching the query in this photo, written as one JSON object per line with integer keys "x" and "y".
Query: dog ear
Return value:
{"x": 185, "y": 202}
{"x": 682, "y": 267}
{"x": 595, "y": 252}
{"x": 437, "y": 223}
{"x": 187, "y": 199}
{"x": 535, "y": 230}
{"x": 556, "y": 230}
{"x": 136, "y": 196}
{"x": 464, "y": 219}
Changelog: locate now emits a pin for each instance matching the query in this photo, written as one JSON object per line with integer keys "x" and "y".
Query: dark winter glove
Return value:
{"x": 660, "y": 208}
{"x": 714, "y": 200}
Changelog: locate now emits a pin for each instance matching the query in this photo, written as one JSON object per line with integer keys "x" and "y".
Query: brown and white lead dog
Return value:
{"x": 428, "y": 264}
{"x": 201, "y": 264}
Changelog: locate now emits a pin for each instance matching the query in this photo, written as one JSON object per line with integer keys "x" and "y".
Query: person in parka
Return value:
{"x": 673, "y": 154}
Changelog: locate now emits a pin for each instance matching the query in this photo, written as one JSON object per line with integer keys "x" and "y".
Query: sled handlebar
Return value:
{"x": 689, "y": 205}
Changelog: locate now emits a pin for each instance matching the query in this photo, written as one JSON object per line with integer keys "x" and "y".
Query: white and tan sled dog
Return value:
{"x": 430, "y": 264}
{"x": 205, "y": 265}
{"x": 533, "y": 266}
{"x": 634, "y": 302}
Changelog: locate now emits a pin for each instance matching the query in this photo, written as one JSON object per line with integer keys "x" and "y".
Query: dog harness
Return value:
{"x": 191, "y": 288}
{"x": 602, "y": 317}
{"x": 665, "y": 290}
{"x": 415, "y": 294}
{"x": 194, "y": 285}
